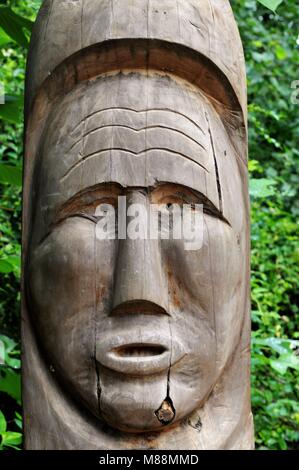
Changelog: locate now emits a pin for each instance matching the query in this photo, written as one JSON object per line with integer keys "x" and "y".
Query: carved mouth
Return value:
{"x": 139, "y": 350}
{"x": 138, "y": 358}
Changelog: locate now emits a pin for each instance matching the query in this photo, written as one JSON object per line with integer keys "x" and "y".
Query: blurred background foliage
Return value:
{"x": 269, "y": 29}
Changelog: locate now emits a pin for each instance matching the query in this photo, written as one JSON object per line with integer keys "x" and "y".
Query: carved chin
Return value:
{"x": 142, "y": 413}
{"x": 149, "y": 403}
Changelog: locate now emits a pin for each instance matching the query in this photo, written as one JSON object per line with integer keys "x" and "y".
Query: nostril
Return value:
{"x": 139, "y": 307}
{"x": 139, "y": 350}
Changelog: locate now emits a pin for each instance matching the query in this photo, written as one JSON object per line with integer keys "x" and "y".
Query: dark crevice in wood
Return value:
{"x": 166, "y": 413}
{"x": 99, "y": 389}
{"x": 170, "y": 360}
{"x": 198, "y": 29}
{"x": 195, "y": 425}
{"x": 216, "y": 167}
{"x": 81, "y": 24}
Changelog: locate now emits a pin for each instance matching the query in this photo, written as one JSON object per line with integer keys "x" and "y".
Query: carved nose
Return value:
{"x": 139, "y": 276}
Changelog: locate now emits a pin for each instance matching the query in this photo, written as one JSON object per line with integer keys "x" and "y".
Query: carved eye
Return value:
{"x": 172, "y": 203}
{"x": 92, "y": 211}
{"x": 173, "y": 199}
{"x": 83, "y": 215}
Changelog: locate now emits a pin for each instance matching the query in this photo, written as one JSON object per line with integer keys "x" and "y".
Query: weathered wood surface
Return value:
{"x": 135, "y": 343}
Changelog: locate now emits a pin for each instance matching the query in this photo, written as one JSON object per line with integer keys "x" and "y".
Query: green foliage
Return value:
{"x": 272, "y": 55}
{"x": 260, "y": 187}
{"x": 11, "y": 110}
{"x": 15, "y": 26}
{"x": 271, "y": 4}
{"x": 12, "y": 73}
{"x": 10, "y": 174}
{"x": 10, "y": 385}
{"x": 271, "y": 48}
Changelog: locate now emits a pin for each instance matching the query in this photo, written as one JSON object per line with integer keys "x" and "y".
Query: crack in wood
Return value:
{"x": 216, "y": 166}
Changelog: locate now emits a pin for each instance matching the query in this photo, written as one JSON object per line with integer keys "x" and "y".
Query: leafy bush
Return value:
{"x": 271, "y": 48}
{"x": 10, "y": 389}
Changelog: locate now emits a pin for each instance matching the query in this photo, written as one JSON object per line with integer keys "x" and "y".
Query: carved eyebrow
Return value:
{"x": 90, "y": 196}
{"x": 209, "y": 206}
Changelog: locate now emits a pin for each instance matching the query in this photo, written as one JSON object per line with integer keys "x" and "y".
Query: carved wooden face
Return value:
{"x": 139, "y": 331}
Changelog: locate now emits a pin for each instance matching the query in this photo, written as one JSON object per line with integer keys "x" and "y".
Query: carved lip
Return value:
{"x": 143, "y": 356}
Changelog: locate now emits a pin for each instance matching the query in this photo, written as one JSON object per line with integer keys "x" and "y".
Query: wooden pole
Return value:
{"x": 135, "y": 342}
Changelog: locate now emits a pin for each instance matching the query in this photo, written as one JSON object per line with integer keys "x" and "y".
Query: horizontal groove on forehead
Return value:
{"x": 136, "y": 132}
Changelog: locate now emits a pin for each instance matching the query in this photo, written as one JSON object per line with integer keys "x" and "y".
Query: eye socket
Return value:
{"x": 169, "y": 195}
{"x": 84, "y": 215}
{"x": 171, "y": 199}
{"x": 171, "y": 202}
{"x": 88, "y": 211}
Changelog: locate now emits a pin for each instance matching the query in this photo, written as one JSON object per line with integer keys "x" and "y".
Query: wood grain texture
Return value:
{"x": 65, "y": 27}
{"x": 135, "y": 343}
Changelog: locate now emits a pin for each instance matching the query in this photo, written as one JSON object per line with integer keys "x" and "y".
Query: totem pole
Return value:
{"x": 135, "y": 343}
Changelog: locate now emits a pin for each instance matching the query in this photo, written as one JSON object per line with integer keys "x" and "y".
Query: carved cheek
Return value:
{"x": 63, "y": 276}
{"x": 227, "y": 278}
{"x": 204, "y": 289}
{"x": 196, "y": 274}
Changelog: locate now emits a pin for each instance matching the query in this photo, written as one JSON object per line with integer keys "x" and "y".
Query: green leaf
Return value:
{"x": 10, "y": 174}
{"x": 262, "y": 187}
{"x": 12, "y": 109}
{"x": 4, "y": 38}
{"x": 11, "y": 439}
{"x": 18, "y": 422}
{"x": 254, "y": 165}
{"x": 10, "y": 344}
{"x": 3, "y": 424}
{"x": 279, "y": 345}
{"x": 6, "y": 267}
{"x": 271, "y": 4}
{"x": 284, "y": 362}
{"x": 11, "y": 264}
{"x": 15, "y": 261}
{"x": 11, "y": 352}
{"x": 10, "y": 383}
{"x": 14, "y": 25}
